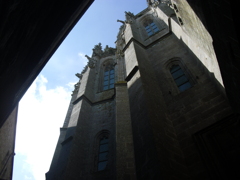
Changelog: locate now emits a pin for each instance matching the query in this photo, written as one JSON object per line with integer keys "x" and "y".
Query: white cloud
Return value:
{"x": 41, "y": 114}
{"x": 71, "y": 85}
{"x": 82, "y": 58}
{"x": 27, "y": 177}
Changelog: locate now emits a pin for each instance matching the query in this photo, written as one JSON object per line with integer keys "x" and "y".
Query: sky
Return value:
{"x": 43, "y": 108}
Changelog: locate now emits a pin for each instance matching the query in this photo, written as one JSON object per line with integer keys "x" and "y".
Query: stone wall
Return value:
{"x": 155, "y": 129}
{"x": 91, "y": 113}
{"x": 167, "y": 117}
{"x": 219, "y": 17}
{"x": 7, "y": 145}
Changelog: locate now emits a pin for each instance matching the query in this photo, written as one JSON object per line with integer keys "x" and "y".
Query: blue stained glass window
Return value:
{"x": 112, "y": 76}
{"x": 102, "y": 165}
{"x": 177, "y": 73}
{"x": 109, "y": 80}
{"x": 180, "y": 78}
{"x": 103, "y": 154}
{"x": 104, "y": 140}
{"x": 105, "y": 83}
{"x": 105, "y": 88}
{"x": 103, "y": 147}
{"x": 184, "y": 86}
{"x": 174, "y": 68}
{"x": 151, "y": 29}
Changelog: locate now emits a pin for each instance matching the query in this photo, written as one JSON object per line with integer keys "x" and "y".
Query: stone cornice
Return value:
{"x": 142, "y": 12}
{"x": 92, "y": 103}
{"x": 152, "y": 43}
{"x": 121, "y": 83}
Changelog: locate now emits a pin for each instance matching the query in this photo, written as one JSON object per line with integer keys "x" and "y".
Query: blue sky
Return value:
{"x": 43, "y": 108}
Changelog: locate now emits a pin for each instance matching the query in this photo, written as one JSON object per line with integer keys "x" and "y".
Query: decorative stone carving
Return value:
{"x": 77, "y": 85}
{"x": 79, "y": 75}
{"x": 108, "y": 51}
{"x": 119, "y": 54}
{"x": 120, "y": 37}
{"x": 84, "y": 69}
{"x": 121, "y": 41}
{"x": 150, "y": 2}
{"x": 76, "y": 88}
{"x": 153, "y": 3}
{"x": 165, "y": 1}
{"x": 99, "y": 53}
{"x": 121, "y": 31}
{"x": 130, "y": 18}
{"x": 97, "y": 50}
{"x": 121, "y": 21}
{"x": 91, "y": 62}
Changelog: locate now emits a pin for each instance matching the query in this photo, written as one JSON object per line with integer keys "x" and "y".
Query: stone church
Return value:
{"x": 154, "y": 107}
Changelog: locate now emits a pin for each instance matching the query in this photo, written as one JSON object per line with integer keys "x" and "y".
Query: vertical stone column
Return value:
{"x": 125, "y": 161}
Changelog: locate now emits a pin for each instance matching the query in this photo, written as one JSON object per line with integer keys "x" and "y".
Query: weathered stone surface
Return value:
{"x": 156, "y": 129}
{"x": 7, "y": 144}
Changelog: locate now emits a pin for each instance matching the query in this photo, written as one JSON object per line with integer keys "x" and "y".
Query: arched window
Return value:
{"x": 108, "y": 79}
{"x": 180, "y": 78}
{"x": 151, "y": 28}
{"x": 103, "y": 153}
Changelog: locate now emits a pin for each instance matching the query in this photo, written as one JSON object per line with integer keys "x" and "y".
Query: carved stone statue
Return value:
{"x": 153, "y": 3}
{"x": 129, "y": 17}
{"x": 121, "y": 21}
{"x": 84, "y": 69}
{"x": 76, "y": 85}
{"x": 119, "y": 54}
{"x": 120, "y": 36}
{"x": 108, "y": 51}
{"x": 97, "y": 50}
{"x": 91, "y": 62}
{"x": 149, "y": 2}
{"x": 165, "y": 1}
{"x": 76, "y": 88}
{"x": 79, "y": 75}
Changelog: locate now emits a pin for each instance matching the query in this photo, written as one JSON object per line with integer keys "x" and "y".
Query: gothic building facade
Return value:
{"x": 154, "y": 107}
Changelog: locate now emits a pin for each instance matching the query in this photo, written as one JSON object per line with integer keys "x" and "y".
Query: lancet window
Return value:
{"x": 108, "y": 79}
{"x": 180, "y": 78}
{"x": 103, "y": 154}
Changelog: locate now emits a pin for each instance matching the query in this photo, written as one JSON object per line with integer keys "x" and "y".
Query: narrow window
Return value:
{"x": 108, "y": 81}
{"x": 180, "y": 21}
{"x": 103, "y": 154}
{"x": 180, "y": 78}
{"x": 151, "y": 29}
{"x": 175, "y": 7}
